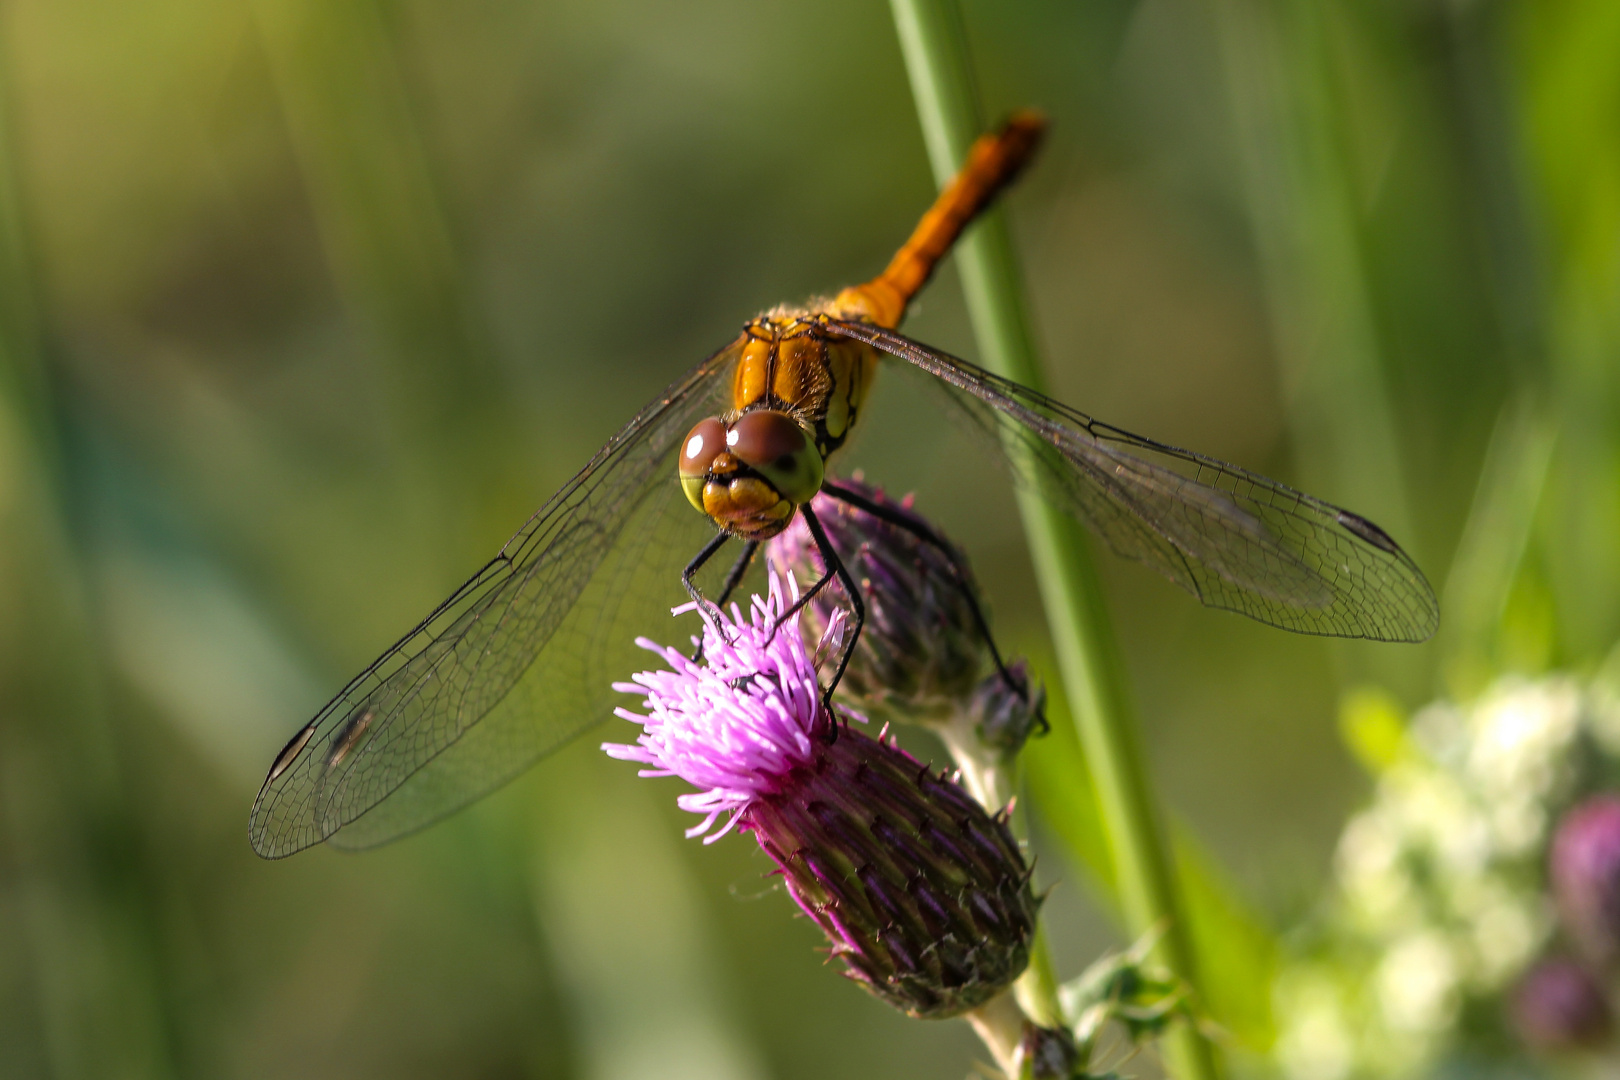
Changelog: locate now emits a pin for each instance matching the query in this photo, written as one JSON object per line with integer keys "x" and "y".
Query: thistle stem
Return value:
{"x": 990, "y": 781}
{"x": 934, "y": 45}
{"x": 999, "y": 1023}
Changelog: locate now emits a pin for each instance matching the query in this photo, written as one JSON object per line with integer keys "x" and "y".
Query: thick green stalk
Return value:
{"x": 936, "y": 58}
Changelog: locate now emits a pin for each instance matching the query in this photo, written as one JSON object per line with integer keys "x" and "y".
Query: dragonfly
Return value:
{"x": 521, "y": 658}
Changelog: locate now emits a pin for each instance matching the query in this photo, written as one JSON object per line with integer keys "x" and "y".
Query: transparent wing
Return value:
{"x": 517, "y": 661}
{"x": 1232, "y": 538}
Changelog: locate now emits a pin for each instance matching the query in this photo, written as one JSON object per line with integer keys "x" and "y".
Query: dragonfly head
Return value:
{"x": 750, "y": 475}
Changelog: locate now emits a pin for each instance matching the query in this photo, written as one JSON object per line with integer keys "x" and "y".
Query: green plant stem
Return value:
{"x": 935, "y": 50}
{"x": 987, "y": 778}
{"x": 1000, "y": 1025}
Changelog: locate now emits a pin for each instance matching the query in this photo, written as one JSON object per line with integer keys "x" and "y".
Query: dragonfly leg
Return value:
{"x": 733, "y": 578}
{"x": 835, "y": 565}
{"x": 804, "y": 598}
{"x": 958, "y": 573}
{"x": 707, "y": 606}
{"x": 735, "y": 575}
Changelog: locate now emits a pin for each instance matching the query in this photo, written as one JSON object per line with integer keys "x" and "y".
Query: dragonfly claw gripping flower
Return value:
{"x": 924, "y": 896}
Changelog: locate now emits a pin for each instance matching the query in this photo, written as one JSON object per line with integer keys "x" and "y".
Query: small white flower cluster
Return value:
{"x": 1439, "y": 900}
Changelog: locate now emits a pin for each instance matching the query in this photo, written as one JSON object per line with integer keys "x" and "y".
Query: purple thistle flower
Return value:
{"x": 739, "y": 723}
{"x": 1585, "y": 870}
{"x": 1558, "y": 1005}
{"x": 922, "y": 894}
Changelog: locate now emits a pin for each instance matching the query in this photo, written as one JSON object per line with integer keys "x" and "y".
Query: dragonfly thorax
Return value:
{"x": 792, "y": 362}
{"x": 749, "y": 475}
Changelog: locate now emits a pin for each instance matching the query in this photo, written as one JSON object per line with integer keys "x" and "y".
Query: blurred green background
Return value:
{"x": 306, "y": 304}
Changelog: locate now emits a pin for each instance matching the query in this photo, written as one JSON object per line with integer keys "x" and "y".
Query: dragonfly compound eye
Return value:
{"x": 702, "y": 446}
{"x": 774, "y": 445}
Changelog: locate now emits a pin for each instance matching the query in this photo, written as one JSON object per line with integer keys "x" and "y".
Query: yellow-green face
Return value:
{"x": 750, "y": 475}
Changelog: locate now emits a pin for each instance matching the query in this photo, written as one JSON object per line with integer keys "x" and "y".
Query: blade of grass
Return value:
{"x": 935, "y": 49}
{"x": 90, "y": 952}
{"x": 376, "y": 201}
{"x": 1304, "y": 218}
{"x": 388, "y": 241}
{"x": 626, "y": 924}
{"x": 1568, "y": 96}
{"x": 1514, "y": 476}
{"x": 1495, "y": 538}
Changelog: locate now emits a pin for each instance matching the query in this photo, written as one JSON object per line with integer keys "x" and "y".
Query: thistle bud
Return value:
{"x": 921, "y": 650}
{"x": 1560, "y": 1006}
{"x": 1001, "y": 717}
{"x": 923, "y": 895}
{"x": 1585, "y": 874}
{"x": 1048, "y": 1054}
